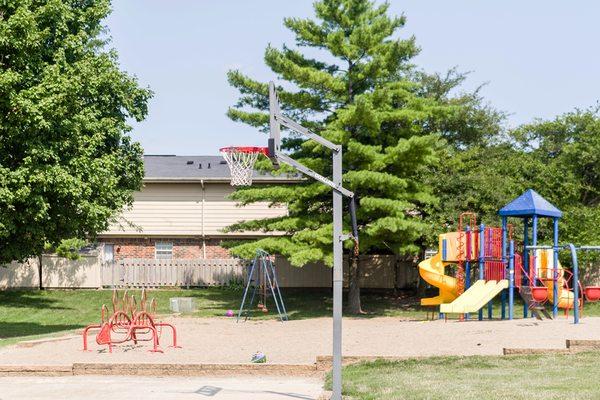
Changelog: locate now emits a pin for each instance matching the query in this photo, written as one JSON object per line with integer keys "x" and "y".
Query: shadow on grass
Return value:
{"x": 28, "y": 299}
{"x": 306, "y": 303}
{"x": 17, "y": 329}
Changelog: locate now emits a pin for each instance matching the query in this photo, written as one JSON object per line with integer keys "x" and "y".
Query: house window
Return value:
{"x": 109, "y": 252}
{"x": 163, "y": 250}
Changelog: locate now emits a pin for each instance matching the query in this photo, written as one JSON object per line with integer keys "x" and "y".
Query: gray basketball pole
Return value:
{"x": 338, "y": 277}
{"x": 276, "y": 121}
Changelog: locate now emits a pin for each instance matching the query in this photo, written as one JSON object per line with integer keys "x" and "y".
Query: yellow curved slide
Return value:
{"x": 432, "y": 271}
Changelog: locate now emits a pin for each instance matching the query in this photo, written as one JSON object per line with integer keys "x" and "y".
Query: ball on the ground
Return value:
{"x": 229, "y": 313}
{"x": 259, "y": 358}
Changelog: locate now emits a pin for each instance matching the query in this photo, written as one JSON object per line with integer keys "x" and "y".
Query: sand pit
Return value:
{"x": 222, "y": 340}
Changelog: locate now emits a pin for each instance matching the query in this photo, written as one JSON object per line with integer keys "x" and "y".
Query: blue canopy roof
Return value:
{"x": 529, "y": 204}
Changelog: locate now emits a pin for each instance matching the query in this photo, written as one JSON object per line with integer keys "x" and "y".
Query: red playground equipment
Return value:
{"x": 128, "y": 323}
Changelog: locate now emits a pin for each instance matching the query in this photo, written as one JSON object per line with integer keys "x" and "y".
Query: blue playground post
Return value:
{"x": 511, "y": 279}
{"x": 481, "y": 260}
{"x": 555, "y": 271}
{"x": 534, "y": 235}
{"x": 575, "y": 283}
{"x": 525, "y": 279}
{"x": 505, "y": 264}
{"x": 444, "y": 250}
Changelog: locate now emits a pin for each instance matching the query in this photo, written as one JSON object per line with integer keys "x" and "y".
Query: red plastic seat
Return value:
{"x": 539, "y": 293}
{"x": 592, "y": 293}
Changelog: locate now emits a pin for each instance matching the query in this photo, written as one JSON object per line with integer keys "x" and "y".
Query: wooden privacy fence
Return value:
{"x": 383, "y": 272}
{"x": 184, "y": 273}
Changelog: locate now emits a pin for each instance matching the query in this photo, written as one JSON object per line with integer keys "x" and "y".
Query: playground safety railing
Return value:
{"x": 567, "y": 285}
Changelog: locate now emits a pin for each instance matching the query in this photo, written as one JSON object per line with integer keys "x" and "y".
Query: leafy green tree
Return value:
{"x": 366, "y": 95}
{"x": 559, "y": 158}
{"x": 568, "y": 147}
{"x": 67, "y": 163}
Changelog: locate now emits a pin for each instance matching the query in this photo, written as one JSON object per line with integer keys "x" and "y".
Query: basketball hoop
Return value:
{"x": 241, "y": 162}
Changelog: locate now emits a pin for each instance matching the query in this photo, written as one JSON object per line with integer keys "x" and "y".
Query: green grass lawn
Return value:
{"x": 25, "y": 313}
{"x": 545, "y": 377}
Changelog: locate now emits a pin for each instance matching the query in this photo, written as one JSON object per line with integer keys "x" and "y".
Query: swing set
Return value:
{"x": 262, "y": 280}
{"x": 581, "y": 294}
{"x": 129, "y": 323}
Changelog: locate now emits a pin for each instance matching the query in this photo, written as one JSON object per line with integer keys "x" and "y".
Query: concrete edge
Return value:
{"x": 587, "y": 344}
{"x": 153, "y": 369}
{"x": 36, "y": 370}
{"x": 322, "y": 365}
{"x": 572, "y": 346}
{"x": 526, "y": 351}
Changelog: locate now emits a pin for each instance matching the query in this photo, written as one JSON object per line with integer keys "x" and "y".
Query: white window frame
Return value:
{"x": 163, "y": 250}
{"x": 112, "y": 253}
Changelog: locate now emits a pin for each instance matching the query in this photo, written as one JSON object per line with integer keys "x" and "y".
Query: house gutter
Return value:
{"x": 215, "y": 180}
{"x": 202, "y": 219}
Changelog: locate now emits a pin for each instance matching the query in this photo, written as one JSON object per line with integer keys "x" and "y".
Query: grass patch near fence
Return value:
{"x": 547, "y": 377}
{"x": 25, "y": 313}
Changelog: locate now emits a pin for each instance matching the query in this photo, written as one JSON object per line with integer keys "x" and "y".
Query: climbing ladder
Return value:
{"x": 537, "y": 309}
{"x": 523, "y": 283}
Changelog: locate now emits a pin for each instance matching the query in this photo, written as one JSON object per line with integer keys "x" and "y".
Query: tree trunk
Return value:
{"x": 354, "y": 306}
{"x": 40, "y": 281}
{"x": 396, "y": 273}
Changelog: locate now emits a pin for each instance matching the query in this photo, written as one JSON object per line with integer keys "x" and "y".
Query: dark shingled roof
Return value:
{"x": 194, "y": 168}
{"x": 529, "y": 204}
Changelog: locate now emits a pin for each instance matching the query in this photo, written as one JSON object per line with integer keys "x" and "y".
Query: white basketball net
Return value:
{"x": 241, "y": 165}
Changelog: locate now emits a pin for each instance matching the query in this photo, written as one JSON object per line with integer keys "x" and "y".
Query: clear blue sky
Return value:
{"x": 540, "y": 58}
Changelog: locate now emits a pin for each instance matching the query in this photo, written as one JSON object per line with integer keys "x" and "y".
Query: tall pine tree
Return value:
{"x": 366, "y": 95}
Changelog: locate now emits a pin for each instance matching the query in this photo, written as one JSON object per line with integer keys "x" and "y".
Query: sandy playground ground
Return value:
{"x": 222, "y": 340}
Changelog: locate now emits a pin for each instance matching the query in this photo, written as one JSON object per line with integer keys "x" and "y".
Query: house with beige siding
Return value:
{"x": 178, "y": 219}
{"x": 182, "y": 210}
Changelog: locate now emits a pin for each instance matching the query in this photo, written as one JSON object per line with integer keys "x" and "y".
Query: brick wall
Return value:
{"x": 215, "y": 250}
{"x": 183, "y": 248}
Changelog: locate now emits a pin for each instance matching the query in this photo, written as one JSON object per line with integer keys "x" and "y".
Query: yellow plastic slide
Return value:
{"x": 432, "y": 271}
{"x": 477, "y": 296}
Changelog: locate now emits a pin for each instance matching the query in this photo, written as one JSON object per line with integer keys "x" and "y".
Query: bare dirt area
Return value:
{"x": 221, "y": 340}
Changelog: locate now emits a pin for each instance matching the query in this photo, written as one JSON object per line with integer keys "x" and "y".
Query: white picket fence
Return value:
{"x": 179, "y": 273}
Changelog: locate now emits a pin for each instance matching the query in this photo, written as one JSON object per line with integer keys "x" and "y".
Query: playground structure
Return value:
{"x": 534, "y": 271}
{"x": 262, "y": 280}
{"x": 129, "y": 323}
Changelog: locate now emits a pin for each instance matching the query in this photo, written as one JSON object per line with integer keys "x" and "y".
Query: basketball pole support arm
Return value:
{"x": 276, "y": 121}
